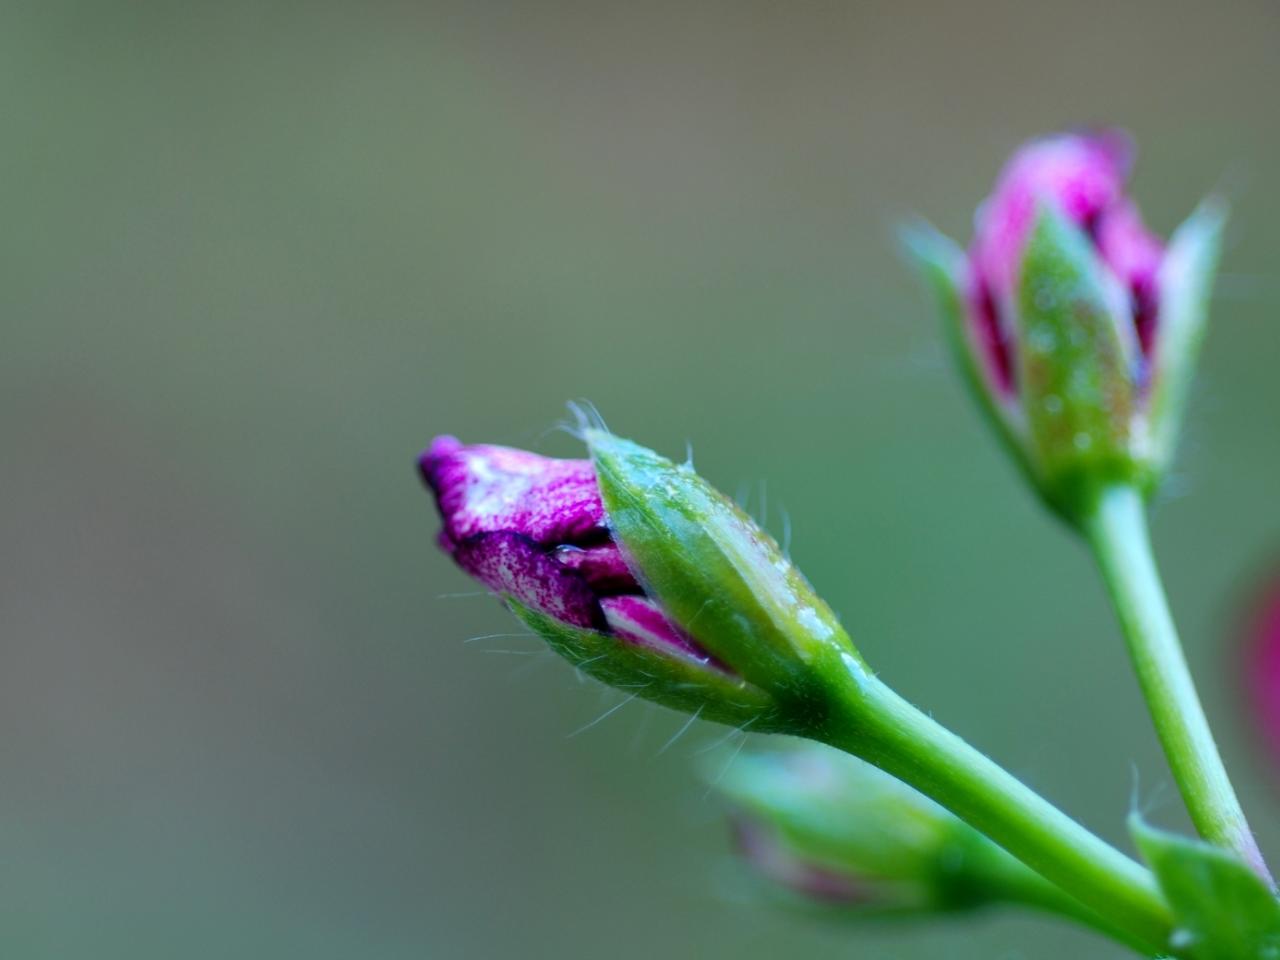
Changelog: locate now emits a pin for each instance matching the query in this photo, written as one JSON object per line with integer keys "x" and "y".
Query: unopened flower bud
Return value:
{"x": 1076, "y": 326}
{"x": 637, "y": 571}
{"x": 838, "y": 833}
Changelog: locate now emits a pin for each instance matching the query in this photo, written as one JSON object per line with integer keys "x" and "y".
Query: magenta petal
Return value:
{"x": 640, "y": 620}
{"x": 1133, "y": 253}
{"x": 1081, "y": 174}
{"x": 992, "y": 339}
{"x": 512, "y": 564}
{"x": 1262, "y": 669}
{"x": 602, "y": 567}
{"x": 487, "y": 489}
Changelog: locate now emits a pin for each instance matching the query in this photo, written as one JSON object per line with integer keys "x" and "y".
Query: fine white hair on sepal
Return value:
{"x": 786, "y": 531}
{"x": 610, "y": 712}
{"x": 585, "y": 417}
{"x": 684, "y": 728}
{"x": 741, "y": 732}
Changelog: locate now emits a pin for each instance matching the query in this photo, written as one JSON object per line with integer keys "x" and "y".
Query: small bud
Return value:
{"x": 839, "y": 832}
{"x": 1077, "y": 329}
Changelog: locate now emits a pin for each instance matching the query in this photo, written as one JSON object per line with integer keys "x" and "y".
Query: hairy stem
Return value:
{"x": 1118, "y": 534}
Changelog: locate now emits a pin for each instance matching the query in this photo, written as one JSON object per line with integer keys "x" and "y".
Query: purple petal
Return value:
{"x": 513, "y": 564}
{"x": 768, "y": 853}
{"x": 602, "y": 567}
{"x": 1133, "y": 253}
{"x": 488, "y": 489}
{"x": 640, "y": 620}
{"x": 1082, "y": 174}
{"x": 993, "y": 340}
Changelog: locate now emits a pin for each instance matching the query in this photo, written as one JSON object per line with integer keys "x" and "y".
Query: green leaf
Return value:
{"x": 1186, "y": 281}
{"x": 718, "y": 575}
{"x": 1076, "y": 355}
{"x": 1224, "y": 911}
{"x": 669, "y": 678}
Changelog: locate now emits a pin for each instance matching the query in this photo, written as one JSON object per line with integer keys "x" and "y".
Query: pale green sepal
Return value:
{"x": 717, "y": 574}
{"x": 1185, "y": 284}
{"x": 1076, "y": 357}
{"x": 671, "y": 679}
{"x": 942, "y": 264}
{"x": 1222, "y": 909}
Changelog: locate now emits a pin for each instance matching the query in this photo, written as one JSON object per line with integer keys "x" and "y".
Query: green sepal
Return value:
{"x": 1076, "y": 356}
{"x": 718, "y": 575}
{"x": 1185, "y": 284}
{"x": 671, "y": 679}
{"x": 1224, "y": 911}
{"x": 941, "y": 263}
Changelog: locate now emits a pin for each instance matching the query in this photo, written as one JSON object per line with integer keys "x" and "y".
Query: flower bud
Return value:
{"x": 637, "y": 571}
{"x": 1076, "y": 327}
{"x": 838, "y": 832}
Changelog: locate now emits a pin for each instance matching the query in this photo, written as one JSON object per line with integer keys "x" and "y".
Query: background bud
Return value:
{"x": 839, "y": 832}
{"x": 1075, "y": 327}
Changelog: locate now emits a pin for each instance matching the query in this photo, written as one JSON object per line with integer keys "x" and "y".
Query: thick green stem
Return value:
{"x": 872, "y": 722}
{"x": 1007, "y": 879}
{"x": 1121, "y": 542}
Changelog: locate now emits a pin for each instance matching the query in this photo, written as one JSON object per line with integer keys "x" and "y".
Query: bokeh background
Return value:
{"x": 255, "y": 254}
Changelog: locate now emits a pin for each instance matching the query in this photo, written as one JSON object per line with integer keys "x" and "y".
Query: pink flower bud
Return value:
{"x": 534, "y": 528}
{"x": 1075, "y": 325}
{"x": 1082, "y": 176}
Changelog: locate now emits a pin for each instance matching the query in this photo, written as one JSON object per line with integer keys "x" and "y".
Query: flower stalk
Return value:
{"x": 640, "y": 572}
{"x": 871, "y": 721}
{"x": 1118, "y": 535}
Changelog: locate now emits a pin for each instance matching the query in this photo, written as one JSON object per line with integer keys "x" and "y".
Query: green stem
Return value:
{"x": 1118, "y": 533}
{"x": 1008, "y": 879}
{"x": 870, "y": 721}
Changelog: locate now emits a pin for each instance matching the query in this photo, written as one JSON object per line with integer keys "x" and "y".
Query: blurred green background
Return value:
{"x": 255, "y": 254}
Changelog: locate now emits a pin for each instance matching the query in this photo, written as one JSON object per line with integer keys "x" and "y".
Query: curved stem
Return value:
{"x": 870, "y": 721}
{"x": 1118, "y": 534}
